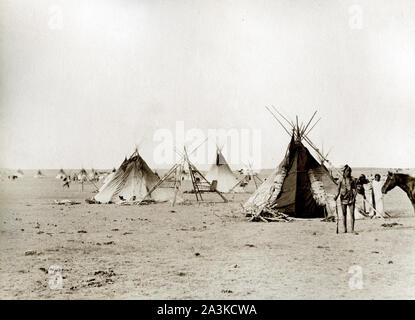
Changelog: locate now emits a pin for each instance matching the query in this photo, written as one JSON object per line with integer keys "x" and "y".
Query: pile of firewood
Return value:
{"x": 266, "y": 214}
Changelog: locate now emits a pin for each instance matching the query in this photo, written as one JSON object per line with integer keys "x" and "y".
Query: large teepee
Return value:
{"x": 301, "y": 186}
{"x": 131, "y": 183}
{"x": 222, "y": 173}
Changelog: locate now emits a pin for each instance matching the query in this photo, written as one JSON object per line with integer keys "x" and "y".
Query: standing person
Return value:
{"x": 361, "y": 190}
{"x": 66, "y": 181}
{"x": 378, "y": 195}
{"x": 347, "y": 191}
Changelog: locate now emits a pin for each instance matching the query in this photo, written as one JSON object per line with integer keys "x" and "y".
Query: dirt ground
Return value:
{"x": 198, "y": 251}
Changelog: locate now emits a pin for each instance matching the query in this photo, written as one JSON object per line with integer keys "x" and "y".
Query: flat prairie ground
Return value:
{"x": 197, "y": 251}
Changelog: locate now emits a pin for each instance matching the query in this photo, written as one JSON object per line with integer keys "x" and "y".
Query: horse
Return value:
{"x": 404, "y": 181}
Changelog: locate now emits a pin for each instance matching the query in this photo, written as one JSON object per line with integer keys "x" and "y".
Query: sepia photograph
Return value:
{"x": 189, "y": 150}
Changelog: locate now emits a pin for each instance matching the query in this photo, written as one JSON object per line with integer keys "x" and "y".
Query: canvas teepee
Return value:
{"x": 131, "y": 183}
{"x": 300, "y": 186}
{"x": 39, "y": 174}
{"x": 109, "y": 176}
{"x": 250, "y": 178}
{"x": 83, "y": 175}
{"x": 222, "y": 173}
{"x": 93, "y": 175}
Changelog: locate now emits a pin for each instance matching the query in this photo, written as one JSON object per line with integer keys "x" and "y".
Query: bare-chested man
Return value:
{"x": 347, "y": 191}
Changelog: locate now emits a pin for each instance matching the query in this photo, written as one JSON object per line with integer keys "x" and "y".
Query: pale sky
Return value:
{"x": 83, "y": 82}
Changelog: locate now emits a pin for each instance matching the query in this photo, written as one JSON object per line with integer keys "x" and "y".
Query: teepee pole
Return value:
{"x": 87, "y": 178}
{"x": 256, "y": 186}
{"x": 312, "y": 127}
{"x": 177, "y": 183}
{"x": 237, "y": 184}
{"x": 203, "y": 177}
{"x": 191, "y": 171}
{"x": 298, "y": 128}
{"x": 254, "y": 175}
{"x": 279, "y": 121}
{"x": 290, "y": 123}
{"x": 168, "y": 174}
{"x": 251, "y": 175}
{"x": 159, "y": 183}
{"x": 311, "y": 119}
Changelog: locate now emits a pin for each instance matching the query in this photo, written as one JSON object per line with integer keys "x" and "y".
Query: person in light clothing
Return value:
{"x": 378, "y": 195}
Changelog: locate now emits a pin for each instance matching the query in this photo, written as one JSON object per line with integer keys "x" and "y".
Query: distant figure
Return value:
{"x": 347, "y": 191}
{"x": 66, "y": 181}
{"x": 378, "y": 195}
{"x": 243, "y": 183}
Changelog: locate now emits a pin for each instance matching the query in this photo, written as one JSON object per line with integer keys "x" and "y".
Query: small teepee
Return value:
{"x": 222, "y": 173}
{"x": 250, "y": 177}
{"x": 39, "y": 174}
{"x": 82, "y": 175}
